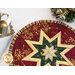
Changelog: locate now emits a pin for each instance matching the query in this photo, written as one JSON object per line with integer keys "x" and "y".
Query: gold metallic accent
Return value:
{"x": 64, "y": 11}
{"x": 71, "y": 9}
{"x": 7, "y": 58}
{"x": 5, "y": 25}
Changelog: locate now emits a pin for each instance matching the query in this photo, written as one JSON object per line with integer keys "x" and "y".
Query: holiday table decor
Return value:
{"x": 67, "y": 14}
{"x": 5, "y": 26}
{"x": 44, "y": 43}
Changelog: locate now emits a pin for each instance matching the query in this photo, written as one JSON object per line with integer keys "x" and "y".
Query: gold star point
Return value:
{"x": 49, "y": 53}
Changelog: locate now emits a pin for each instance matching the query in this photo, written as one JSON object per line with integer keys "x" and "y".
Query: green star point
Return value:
{"x": 49, "y": 44}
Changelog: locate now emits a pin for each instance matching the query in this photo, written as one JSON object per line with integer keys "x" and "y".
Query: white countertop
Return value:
{"x": 20, "y": 18}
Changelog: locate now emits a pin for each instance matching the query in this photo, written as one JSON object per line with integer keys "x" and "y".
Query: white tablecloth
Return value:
{"x": 20, "y": 18}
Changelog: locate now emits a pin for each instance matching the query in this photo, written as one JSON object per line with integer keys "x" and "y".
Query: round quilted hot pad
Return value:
{"x": 44, "y": 43}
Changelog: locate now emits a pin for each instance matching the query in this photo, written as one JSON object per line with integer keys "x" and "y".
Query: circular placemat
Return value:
{"x": 44, "y": 43}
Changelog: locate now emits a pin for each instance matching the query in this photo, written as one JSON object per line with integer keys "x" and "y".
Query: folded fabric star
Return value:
{"x": 44, "y": 43}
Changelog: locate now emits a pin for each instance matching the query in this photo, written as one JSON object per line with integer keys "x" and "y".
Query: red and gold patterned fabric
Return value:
{"x": 44, "y": 43}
